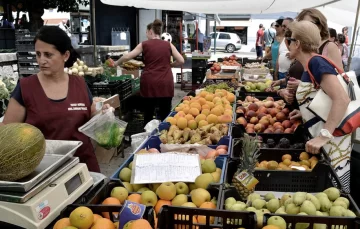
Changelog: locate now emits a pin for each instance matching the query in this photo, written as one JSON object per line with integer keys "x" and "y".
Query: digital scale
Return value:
{"x": 36, "y": 201}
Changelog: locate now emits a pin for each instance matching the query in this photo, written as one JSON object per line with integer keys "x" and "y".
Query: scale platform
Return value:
{"x": 62, "y": 188}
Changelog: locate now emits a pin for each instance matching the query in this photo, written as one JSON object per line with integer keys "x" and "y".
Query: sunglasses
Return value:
{"x": 289, "y": 40}
{"x": 277, "y": 26}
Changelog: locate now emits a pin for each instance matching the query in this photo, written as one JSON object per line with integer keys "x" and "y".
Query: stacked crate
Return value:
{"x": 25, "y": 47}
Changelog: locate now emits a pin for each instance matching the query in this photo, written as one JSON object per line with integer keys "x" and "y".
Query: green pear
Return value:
{"x": 238, "y": 207}
{"x": 302, "y": 225}
{"x": 308, "y": 207}
{"x": 273, "y": 205}
{"x": 229, "y": 202}
{"x": 258, "y": 203}
{"x": 214, "y": 201}
{"x": 259, "y": 219}
{"x": 344, "y": 200}
{"x": 350, "y": 213}
{"x": 299, "y": 198}
{"x": 130, "y": 165}
{"x": 251, "y": 209}
{"x": 281, "y": 210}
{"x": 285, "y": 197}
{"x": 337, "y": 211}
{"x": 287, "y": 202}
{"x": 292, "y": 209}
{"x": 253, "y": 196}
{"x": 269, "y": 196}
{"x": 325, "y": 204}
{"x": 325, "y": 213}
{"x": 208, "y": 166}
{"x": 204, "y": 180}
{"x": 340, "y": 203}
{"x": 128, "y": 186}
{"x": 321, "y": 194}
{"x": 179, "y": 200}
{"x": 314, "y": 200}
{"x": 277, "y": 221}
{"x": 332, "y": 193}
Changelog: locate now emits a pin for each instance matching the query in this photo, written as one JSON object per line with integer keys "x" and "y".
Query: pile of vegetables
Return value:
{"x": 7, "y": 85}
{"x": 109, "y": 135}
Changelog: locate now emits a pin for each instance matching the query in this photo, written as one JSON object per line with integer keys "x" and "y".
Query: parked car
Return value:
{"x": 226, "y": 41}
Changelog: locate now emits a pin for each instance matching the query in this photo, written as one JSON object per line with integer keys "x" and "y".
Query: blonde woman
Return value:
{"x": 303, "y": 44}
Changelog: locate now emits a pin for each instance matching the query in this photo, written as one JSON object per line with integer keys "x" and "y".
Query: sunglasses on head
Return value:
{"x": 289, "y": 40}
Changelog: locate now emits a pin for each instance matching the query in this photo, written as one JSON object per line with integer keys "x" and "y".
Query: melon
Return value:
{"x": 22, "y": 149}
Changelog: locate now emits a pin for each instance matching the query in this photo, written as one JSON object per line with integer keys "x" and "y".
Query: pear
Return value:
{"x": 253, "y": 196}
{"x": 332, "y": 193}
{"x": 238, "y": 207}
{"x": 281, "y": 210}
{"x": 337, "y": 211}
{"x": 195, "y": 138}
{"x": 269, "y": 196}
{"x": 251, "y": 209}
{"x": 287, "y": 202}
{"x": 340, "y": 203}
{"x": 302, "y": 225}
{"x": 321, "y": 194}
{"x": 208, "y": 166}
{"x": 229, "y": 202}
{"x": 186, "y": 135}
{"x": 344, "y": 200}
{"x": 258, "y": 203}
{"x": 273, "y": 205}
{"x": 214, "y": 201}
{"x": 204, "y": 180}
{"x": 292, "y": 209}
{"x": 285, "y": 197}
{"x": 325, "y": 204}
{"x": 325, "y": 213}
{"x": 299, "y": 198}
{"x": 259, "y": 219}
{"x": 313, "y": 200}
{"x": 308, "y": 207}
{"x": 171, "y": 130}
{"x": 350, "y": 213}
{"x": 277, "y": 221}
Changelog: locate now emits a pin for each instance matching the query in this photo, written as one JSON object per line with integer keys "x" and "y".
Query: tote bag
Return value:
{"x": 321, "y": 104}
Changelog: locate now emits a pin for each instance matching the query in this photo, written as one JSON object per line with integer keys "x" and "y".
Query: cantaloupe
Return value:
{"x": 22, "y": 149}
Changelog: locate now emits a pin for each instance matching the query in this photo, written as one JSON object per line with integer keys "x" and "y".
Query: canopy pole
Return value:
{"x": 353, "y": 36}
{"x": 94, "y": 31}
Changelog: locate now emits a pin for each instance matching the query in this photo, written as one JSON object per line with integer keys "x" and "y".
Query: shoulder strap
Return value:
{"x": 321, "y": 49}
{"x": 312, "y": 78}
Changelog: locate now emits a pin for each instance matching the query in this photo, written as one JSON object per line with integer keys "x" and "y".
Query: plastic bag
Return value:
{"x": 137, "y": 140}
{"x": 105, "y": 129}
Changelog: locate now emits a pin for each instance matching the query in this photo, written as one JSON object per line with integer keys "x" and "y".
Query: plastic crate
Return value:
{"x": 135, "y": 85}
{"x": 154, "y": 142}
{"x": 320, "y": 178}
{"x": 29, "y": 70}
{"x": 238, "y": 131}
{"x": 25, "y": 47}
{"x": 168, "y": 213}
{"x": 123, "y": 88}
{"x": 243, "y": 93}
{"x": 331, "y": 222}
{"x": 26, "y": 36}
{"x": 26, "y": 58}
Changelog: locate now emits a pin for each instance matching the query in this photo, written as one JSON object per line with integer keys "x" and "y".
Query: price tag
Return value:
{"x": 123, "y": 36}
{"x": 248, "y": 180}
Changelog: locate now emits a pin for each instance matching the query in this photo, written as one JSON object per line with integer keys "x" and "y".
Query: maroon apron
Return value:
{"x": 61, "y": 120}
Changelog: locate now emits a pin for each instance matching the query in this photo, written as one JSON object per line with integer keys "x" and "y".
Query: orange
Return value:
{"x": 110, "y": 201}
{"x": 189, "y": 116}
{"x": 171, "y": 120}
{"x": 231, "y": 97}
{"x": 103, "y": 224}
{"x": 209, "y": 205}
{"x": 271, "y": 227}
{"x": 61, "y": 223}
{"x": 195, "y": 105}
{"x": 140, "y": 223}
{"x": 81, "y": 217}
{"x": 194, "y": 111}
{"x": 135, "y": 198}
{"x": 202, "y": 219}
{"x": 161, "y": 203}
{"x": 96, "y": 217}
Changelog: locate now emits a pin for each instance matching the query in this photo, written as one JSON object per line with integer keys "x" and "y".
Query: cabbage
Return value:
{"x": 4, "y": 93}
{"x": 10, "y": 84}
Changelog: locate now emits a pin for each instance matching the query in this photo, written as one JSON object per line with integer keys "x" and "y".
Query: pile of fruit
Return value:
{"x": 132, "y": 65}
{"x": 210, "y": 174}
{"x": 266, "y": 116}
{"x": 79, "y": 68}
{"x": 221, "y": 86}
{"x": 207, "y": 114}
{"x": 326, "y": 203}
{"x": 232, "y": 57}
{"x": 304, "y": 161}
{"x": 255, "y": 65}
{"x": 260, "y": 86}
{"x": 231, "y": 86}
{"x": 283, "y": 143}
{"x": 84, "y": 218}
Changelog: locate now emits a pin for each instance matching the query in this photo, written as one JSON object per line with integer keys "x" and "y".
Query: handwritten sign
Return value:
{"x": 165, "y": 167}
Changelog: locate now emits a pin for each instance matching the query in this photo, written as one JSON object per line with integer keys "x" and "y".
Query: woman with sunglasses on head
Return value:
{"x": 304, "y": 43}
{"x": 326, "y": 47}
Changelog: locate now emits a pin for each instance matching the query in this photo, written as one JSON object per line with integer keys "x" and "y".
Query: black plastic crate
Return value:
{"x": 25, "y": 47}
{"x": 320, "y": 178}
{"x": 168, "y": 213}
{"x": 26, "y": 36}
{"x": 243, "y": 93}
{"x": 29, "y": 70}
{"x": 331, "y": 222}
{"x": 238, "y": 131}
{"x": 26, "y": 58}
{"x": 116, "y": 87}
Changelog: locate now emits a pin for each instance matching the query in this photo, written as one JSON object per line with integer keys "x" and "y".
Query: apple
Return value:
{"x": 192, "y": 186}
{"x": 149, "y": 198}
{"x": 153, "y": 187}
{"x": 166, "y": 191}
{"x": 143, "y": 189}
{"x": 204, "y": 180}
{"x": 189, "y": 205}
{"x": 136, "y": 187}
{"x": 120, "y": 193}
{"x": 179, "y": 200}
{"x": 200, "y": 196}
{"x": 181, "y": 188}
{"x": 128, "y": 186}
{"x": 125, "y": 174}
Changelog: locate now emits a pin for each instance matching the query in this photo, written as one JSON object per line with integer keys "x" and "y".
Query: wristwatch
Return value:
{"x": 326, "y": 134}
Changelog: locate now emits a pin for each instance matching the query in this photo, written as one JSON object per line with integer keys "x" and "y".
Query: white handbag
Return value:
{"x": 321, "y": 104}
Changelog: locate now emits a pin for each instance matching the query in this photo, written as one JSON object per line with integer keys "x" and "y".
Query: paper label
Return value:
{"x": 99, "y": 105}
{"x": 165, "y": 167}
{"x": 249, "y": 181}
{"x": 118, "y": 71}
{"x": 130, "y": 211}
{"x": 123, "y": 36}
{"x": 43, "y": 210}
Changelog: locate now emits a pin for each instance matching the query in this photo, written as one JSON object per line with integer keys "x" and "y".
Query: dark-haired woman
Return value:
{"x": 53, "y": 101}
{"x": 157, "y": 82}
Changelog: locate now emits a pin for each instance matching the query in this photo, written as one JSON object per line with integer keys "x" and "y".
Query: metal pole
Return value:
{"x": 94, "y": 31}
{"x": 197, "y": 36}
{"x": 354, "y": 33}
{"x": 215, "y": 36}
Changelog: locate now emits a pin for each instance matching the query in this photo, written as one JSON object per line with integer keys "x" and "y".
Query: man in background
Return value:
{"x": 260, "y": 42}
{"x": 269, "y": 36}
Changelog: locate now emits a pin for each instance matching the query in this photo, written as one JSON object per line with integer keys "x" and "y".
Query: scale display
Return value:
{"x": 72, "y": 184}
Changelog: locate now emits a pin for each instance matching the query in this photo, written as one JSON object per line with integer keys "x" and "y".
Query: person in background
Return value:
{"x": 259, "y": 42}
{"x": 156, "y": 82}
{"x": 345, "y": 31}
{"x": 344, "y": 49}
{"x": 7, "y": 21}
{"x": 304, "y": 43}
{"x": 200, "y": 40}
{"x": 275, "y": 45}
{"x": 269, "y": 37}
{"x": 326, "y": 48}
{"x": 283, "y": 61}
{"x": 46, "y": 100}
{"x": 23, "y": 22}
{"x": 332, "y": 35}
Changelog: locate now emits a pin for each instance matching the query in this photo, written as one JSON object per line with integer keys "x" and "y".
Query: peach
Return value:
{"x": 205, "y": 112}
{"x": 288, "y": 131}
{"x": 202, "y": 101}
{"x": 241, "y": 108}
{"x": 254, "y": 120}
{"x": 239, "y": 111}
{"x": 212, "y": 119}
{"x": 285, "y": 111}
{"x": 269, "y": 104}
{"x": 182, "y": 123}
{"x": 262, "y": 109}
{"x": 286, "y": 124}
{"x": 192, "y": 124}
{"x": 250, "y": 130}
{"x": 209, "y": 97}
{"x": 277, "y": 124}
{"x": 189, "y": 117}
{"x": 268, "y": 131}
{"x": 253, "y": 107}
{"x": 264, "y": 122}
{"x": 280, "y": 116}
{"x": 194, "y": 111}
{"x": 273, "y": 112}
{"x": 216, "y": 111}
{"x": 202, "y": 123}
{"x": 259, "y": 128}
{"x": 278, "y": 131}
{"x": 195, "y": 105}
{"x": 261, "y": 115}
{"x": 224, "y": 118}
{"x": 228, "y": 112}
{"x": 250, "y": 114}
{"x": 280, "y": 127}
{"x": 200, "y": 117}
{"x": 270, "y": 98}
{"x": 250, "y": 125}
{"x": 206, "y": 106}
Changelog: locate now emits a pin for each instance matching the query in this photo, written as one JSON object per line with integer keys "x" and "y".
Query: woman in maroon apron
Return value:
{"x": 53, "y": 101}
{"x": 157, "y": 82}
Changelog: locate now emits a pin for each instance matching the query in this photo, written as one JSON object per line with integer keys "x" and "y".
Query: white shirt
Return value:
{"x": 284, "y": 62}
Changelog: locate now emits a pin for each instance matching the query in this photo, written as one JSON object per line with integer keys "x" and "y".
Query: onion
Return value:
{"x": 81, "y": 63}
{"x": 81, "y": 73}
{"x": 75, "y": 65}
{"x": 75, "y": 71}
{"x": 70, "y": 72}
{"x": 81, "y": 69}
{"x": 85, "y": 68}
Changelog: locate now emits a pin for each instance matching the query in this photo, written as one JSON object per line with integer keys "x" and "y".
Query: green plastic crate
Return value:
{"x": 135, "y": 85}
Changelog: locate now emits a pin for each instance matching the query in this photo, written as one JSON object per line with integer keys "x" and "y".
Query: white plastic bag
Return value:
{"x": 105, "y": 129}
{"x": 137, "y": 140}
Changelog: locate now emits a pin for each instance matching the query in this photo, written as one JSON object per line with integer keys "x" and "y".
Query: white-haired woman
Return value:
{"x": 303, "y": 44}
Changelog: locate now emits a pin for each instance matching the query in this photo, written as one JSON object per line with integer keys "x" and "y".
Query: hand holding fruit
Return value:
{"x": 276, "y": 83}
{"x": 313, "y": 146}
{"x": 293, "y": 84}
{"x": 295, "y": 114}
{"x": 288, "y": 96}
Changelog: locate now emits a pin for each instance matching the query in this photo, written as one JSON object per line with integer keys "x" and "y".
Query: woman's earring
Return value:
{"x": 65, "y": 60}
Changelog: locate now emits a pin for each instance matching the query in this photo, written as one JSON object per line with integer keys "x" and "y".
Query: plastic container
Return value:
{"x": 320, "y": 178}
{"x": 168, "y": 213}
{"x": 331, "y": 222}
{"x": 238, "y": 131}
{"x": 154, "y": 142}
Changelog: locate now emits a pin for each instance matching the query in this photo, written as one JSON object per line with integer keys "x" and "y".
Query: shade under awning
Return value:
{"x": 219, "y": 7}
